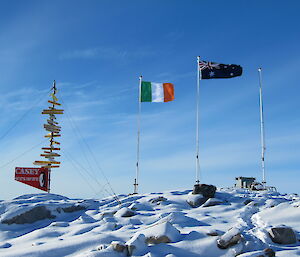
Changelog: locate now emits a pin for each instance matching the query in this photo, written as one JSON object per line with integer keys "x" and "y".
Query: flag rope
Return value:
{"x": 23, "y": 116}
{"x": 197, "y": 122}
{"x": 262, "y": 128}
{"x": 136, "y": 180}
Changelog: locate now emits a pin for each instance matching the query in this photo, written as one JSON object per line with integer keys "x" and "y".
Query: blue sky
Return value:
{"x": 96, "y": 50}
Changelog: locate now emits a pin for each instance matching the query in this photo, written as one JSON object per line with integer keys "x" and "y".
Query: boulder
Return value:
{"x": 268, "y": 252}
{"x": 74, "y": 208}
{"x": 124, "y": 213}
{"x": 282, "y": 235}
{"x": 158, "y": 200}
{"x": 140, "y": 207}
{"x": 157, "y": 240}
{"x": 196, "y": 200}
{"x": 118, "y": 246}
{"x": 212, "y": 202}
{"x": 230, "y": 238}
{"x": 102, "y": 247}
{"x": 205, "y": 190}
{"x": 213, "y": 233}
{"x": 247, "y": 201}
{"x": 136, "y": 245}
{"x": 161, "y": 233}
{"x": 31, "y": 216}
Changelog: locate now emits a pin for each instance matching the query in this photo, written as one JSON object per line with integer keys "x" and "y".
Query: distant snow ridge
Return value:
{"x": 170, "y": 224}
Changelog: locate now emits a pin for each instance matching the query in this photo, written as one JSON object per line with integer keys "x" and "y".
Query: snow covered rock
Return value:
{"x": 268, "y": 252}
{"x": 73, "y": 208}
{"x": 205, "y": 190}
{"x": 161, "y": 233}
{"x": 213, "y": 232}
{"x": 118, "y": 246}
{"x": 196, "y": 200}
{"x": 282, "y": 235}
{"x": 212, "y": 202}
{"x": 230, "y": 238}
{"x": 31, "y": 216}
{"x": 136, "y": 245}
{"x": 140, "y": 207}
{"x": 124, "y": 212}
{"x": 246, "y": 202}
{"x": 158, "y": 200}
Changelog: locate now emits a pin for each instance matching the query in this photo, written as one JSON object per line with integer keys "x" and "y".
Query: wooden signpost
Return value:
{"x": 54, "y": 131}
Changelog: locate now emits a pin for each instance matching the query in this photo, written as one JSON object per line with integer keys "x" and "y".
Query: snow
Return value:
{"x": 98, "y": 227}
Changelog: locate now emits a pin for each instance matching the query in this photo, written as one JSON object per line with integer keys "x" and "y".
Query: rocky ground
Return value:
{"x": 227, "y": 223}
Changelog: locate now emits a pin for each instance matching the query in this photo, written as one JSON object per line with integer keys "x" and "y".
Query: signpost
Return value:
{"x": 40, "y": 177}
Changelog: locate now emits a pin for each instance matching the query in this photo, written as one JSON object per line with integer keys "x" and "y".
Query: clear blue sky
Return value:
{"x": 97, "y": 49}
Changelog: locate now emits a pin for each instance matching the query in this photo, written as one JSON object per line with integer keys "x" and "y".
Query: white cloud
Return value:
{"x": 103, "y": 52}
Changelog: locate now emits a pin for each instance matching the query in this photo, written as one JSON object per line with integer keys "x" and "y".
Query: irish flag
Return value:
{"x": 157, "y": 92}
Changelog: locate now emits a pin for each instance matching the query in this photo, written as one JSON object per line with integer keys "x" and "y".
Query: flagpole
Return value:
{"x": 262, "y": 128}
{"x": 136, "y": 180}
{"x": 197, "y": 122}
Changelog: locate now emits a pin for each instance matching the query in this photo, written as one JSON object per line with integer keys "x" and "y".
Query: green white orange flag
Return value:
{"x": 156, "y": 92}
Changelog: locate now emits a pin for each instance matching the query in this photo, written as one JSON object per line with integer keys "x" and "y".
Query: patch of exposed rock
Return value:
{"x": 212, "y": 202}
{"x": 74, "y": 208}
{"x": 196, "y": 200}
{"x": 205, "y": 190}
{"x": 31, "y": 216}
{"x": 283, "y": 235}
{"x": 268, "y": 252}
{"x": 124, "y": 213}
{"x": 230, "y": 238}
{"x": 158, "y": 200}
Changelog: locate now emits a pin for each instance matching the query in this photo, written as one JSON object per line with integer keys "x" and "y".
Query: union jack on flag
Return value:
{"x": 212, "y": 70}
{"x": 208, "y": 65}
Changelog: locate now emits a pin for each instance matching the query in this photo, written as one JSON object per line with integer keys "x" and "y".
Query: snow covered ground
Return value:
{"x": 152, "y": 225}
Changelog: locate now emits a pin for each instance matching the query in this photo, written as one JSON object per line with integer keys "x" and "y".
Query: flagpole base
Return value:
{"x": 135, "y": 191}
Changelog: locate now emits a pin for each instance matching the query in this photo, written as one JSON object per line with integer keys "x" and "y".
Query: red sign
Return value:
{"x": 35, "y": 177}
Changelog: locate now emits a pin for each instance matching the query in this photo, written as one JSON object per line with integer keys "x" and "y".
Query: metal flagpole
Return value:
{"x": 197, "y": 122}
{"x": 136, "y": 180}
{"x": 262, "y": 128}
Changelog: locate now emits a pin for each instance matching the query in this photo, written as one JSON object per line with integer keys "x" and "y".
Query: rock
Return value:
{"x": 102, "y": 247}
{"x": 230, "y": 238}
{"x": 137, "y": 245}
{"x": 212, "y": 233}
{"x": 158, "y": 199}
{"x": 161, "y": 233}
{"x": 124, "y": 213}
{"x": 74, "y": 208}
{"x": 269, "y": 252}
{"x": 247, "y": 201}
{"x": 140, "y": 207}
{"x": 212, "y": 202}
{"x": 31, "y": 216}
{"x": 118, "y": 246}
{"x": 157, "y": 240}
{"x": 205, "y": 190}
{"x": 196, "y": 200}
{"x": 107, "y": 213}
{"x": 283, "y": 235}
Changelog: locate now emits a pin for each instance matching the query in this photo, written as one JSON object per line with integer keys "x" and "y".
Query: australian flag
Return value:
{"x": 212, "y": 70}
